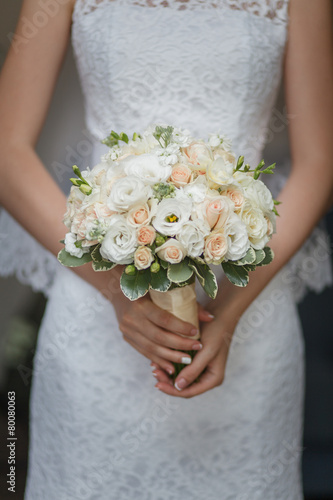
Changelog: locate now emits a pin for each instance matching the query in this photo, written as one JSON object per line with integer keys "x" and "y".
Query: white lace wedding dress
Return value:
{"x": 99, "y": 428}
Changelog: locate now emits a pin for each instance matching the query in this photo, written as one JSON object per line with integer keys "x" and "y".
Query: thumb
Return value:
{"x": 204, "y": 315}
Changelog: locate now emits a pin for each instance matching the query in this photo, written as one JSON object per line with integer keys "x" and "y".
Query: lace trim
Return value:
{"x": 272, "y": 9}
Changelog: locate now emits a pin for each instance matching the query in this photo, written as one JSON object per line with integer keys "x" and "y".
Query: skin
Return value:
{"x": 26, "y": 86}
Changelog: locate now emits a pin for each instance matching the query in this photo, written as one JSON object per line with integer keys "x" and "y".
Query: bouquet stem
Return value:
{"x": 182, "y": 303}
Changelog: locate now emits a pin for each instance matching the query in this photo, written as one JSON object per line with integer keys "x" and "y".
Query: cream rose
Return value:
{"x": 143, "y": 257}
{"x": 180, "y": 175}
{"x": 126, "y": 193}
{"x": 256, "y": 226}
{"x": 259, "y": 195}
{"x": 171, "y": 251}
{"x": 192, "y": 237}
{"x": 147, "y": 168}
{"x": 120, "y": 241}
{"x": 216, "y": 247}
{"x": 199, "y": 155}
{"x": 146, "y": 235}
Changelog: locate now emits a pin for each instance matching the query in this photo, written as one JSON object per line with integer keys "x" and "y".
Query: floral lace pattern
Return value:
{"x": 273, "y": 9}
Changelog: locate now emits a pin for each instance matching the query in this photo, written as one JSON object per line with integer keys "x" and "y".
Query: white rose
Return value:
{"x": 221, "y": 170}
{"x": 147, "y": 168}
{"x": 171, "y": 251}
{"x": 256, "y": 226}
{"x": 127, "y": 192}
{"x": 143, "y": 257}
{"x": 259, "y": 195}
{"x": 171, "y": 215}
{"x": 120, "y": 241}
{"x": 192, "y": 237}
{"x": 238, "y": 241}
{"x": 71, "y": 248}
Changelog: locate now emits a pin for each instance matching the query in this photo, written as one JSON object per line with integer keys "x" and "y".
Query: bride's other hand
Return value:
{"x": 156, "y": 333}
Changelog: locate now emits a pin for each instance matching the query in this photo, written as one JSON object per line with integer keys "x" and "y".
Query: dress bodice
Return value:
{"x": 206, "y": 66}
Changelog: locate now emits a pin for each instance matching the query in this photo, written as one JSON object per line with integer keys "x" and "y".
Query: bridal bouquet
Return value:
{"x": 167, "y": 206}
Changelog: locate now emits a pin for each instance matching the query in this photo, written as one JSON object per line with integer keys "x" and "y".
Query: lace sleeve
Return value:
{"x": 23, "y": 257}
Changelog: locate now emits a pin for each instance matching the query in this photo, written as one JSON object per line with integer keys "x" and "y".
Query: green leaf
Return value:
{"x": 68, "y": 260}
{"x": 206, "y": 277}
{"x": 134, "y": 287}
{"x": 160, "y": 281}
{"x": 177, "y": 273}
{"x": 269, "y": 256}
{"x": 96, "y": 254}
{"x": 237, "y": 275}
{"x": 164, "y": 264}
{"x": 103, "y": 266}
{"x": 260, "y": 255}
{"x": 249, "y": 258}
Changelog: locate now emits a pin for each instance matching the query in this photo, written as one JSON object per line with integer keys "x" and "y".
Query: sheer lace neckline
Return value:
{"x": 272, "y": 9}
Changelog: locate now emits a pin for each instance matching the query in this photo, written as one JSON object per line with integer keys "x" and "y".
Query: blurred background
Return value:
{"x": 21, "y": 309}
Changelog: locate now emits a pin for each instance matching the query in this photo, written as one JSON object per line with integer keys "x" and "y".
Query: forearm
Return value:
{"x": 32, "y": 197}
{"x": 305, "y": 199}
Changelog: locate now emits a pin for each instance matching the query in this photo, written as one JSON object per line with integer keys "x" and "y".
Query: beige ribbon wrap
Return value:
{"x": 181, "y": 302}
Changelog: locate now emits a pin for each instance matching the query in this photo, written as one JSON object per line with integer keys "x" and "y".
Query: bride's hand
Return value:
{"x": 209, "y": 364}
{"x": 155, "y": 332}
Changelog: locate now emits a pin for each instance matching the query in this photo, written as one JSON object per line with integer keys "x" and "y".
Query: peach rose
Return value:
{"x": 146, "y": 235}
{"x": 236, "y": 197}
{"x": 218, "y": 209}
{"x": 216, "y": 247}
{"x": 138, "y": 215}
{"x": 171, "y": 251}
{"x": 143, "y": 257}
{"x": 180, "y": 175}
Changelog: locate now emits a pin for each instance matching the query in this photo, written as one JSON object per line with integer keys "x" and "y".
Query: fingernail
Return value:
{"x": 157, "y": 387}
{"x": 186, "y": 360}
{"x": 154, "y": 374}
{"x": 196, "y": 347}
{"x": 169, "y": 370}
{"x": 153, "y": 367}
{"x": 180, "y": 384}
{"x": 194, "y": 332}
{"x": 211, "y": 316}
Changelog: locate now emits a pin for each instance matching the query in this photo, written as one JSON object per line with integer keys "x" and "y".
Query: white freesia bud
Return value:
{"x": 120, "y": 241}
{"x": 192, "y": 237}
{"x": 171, "y": 215}
{"x": 171, "y": 251}
{"x": 143, "y": 257}
{"x": 147, "y": 168}
{"x": 127, "y": 192}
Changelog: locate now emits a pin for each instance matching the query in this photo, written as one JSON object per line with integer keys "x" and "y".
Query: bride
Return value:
{"x": 99, "y": 427}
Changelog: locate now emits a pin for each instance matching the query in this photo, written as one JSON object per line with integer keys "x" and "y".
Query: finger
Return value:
{"x": 201, "y": 361}
{"x": 164, "y": 365}
{"x": 168, "y": 339}
{"x": 168, "y": 321}
{"x": 208, "y": 381}
{"x": 161, "y": 376}
{"x": 204, "y": 316}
